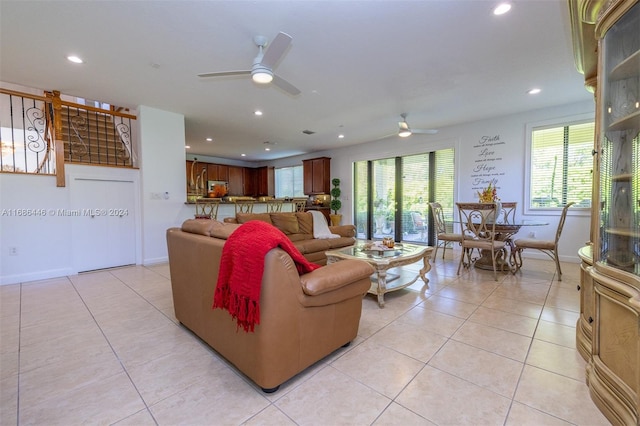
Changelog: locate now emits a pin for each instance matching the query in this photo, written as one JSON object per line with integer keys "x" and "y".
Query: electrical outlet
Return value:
{"x": 532, "y": 234}
{"x": 13, "y": 251}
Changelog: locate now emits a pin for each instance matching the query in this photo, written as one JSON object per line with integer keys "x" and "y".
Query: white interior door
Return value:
{"x": 103, "y": 231}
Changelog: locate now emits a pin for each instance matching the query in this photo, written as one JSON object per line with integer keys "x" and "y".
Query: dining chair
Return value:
{"x": 508, "y": 212}
{"x": 548, "y": 247}
{"x": 443, "y": 238}
{"x": 207, "y": 209}
{"x": 244, "y": 206}
{"x": 274, "y": 206}
{"x": 478, "y": 232}
{"x": 419, "y": 225}
{"x": 299, "y": 204}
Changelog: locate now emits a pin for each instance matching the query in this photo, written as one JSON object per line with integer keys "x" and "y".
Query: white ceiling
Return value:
{"x": 358, "y": 64}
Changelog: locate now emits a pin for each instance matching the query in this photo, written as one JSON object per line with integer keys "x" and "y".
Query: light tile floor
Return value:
{"x": 105, "y": 348}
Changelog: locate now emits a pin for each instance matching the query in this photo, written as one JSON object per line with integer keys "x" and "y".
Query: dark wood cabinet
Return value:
{"x": 249, "y": 182}
{"x": 316, "y": 172}
{"x": 246, "y": 181}
{"x": 236, "y": 178}
{"x": 265, "y": 179}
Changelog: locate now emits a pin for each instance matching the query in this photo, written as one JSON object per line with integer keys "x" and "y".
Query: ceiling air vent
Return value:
{"x": 308, "y": 132}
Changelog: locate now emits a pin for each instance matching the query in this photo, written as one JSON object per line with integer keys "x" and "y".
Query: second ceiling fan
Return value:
{"x": 405, "y": 131}
{"x": 262, "y": 69}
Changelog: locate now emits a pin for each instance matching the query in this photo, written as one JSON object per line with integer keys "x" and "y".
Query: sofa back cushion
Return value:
{"x": 246, "y": 217}
{"x": 286, "y": 222}
{"x": 305, "y": 223}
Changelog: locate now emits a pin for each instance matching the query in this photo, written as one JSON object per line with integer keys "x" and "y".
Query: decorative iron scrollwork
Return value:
{"x": 77, "y": 144}
{"x": 36, "y": 129}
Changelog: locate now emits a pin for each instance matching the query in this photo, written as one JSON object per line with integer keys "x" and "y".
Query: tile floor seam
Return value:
{"x": 113, "y": 350}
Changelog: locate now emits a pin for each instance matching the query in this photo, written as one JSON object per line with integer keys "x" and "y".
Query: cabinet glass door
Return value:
{"x": 620, "y": 146}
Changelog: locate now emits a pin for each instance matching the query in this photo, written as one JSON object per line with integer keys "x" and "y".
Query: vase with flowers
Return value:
{"x": 490, "y": 195}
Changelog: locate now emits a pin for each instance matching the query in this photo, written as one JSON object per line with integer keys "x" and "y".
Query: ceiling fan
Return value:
{"x": 405, "y": 131}
{"x": 262, "y": 69}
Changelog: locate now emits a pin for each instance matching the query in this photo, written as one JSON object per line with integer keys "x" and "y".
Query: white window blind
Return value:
{"x": 561, "y": 166}
{"x": 289, "y": 182}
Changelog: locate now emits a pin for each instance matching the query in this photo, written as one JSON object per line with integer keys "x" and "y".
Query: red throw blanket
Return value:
{"x": 242, "y": 265}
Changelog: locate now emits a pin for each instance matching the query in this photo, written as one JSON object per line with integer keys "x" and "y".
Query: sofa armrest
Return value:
{"x": 335, "y": 276}
{"x": 343, "y": 230}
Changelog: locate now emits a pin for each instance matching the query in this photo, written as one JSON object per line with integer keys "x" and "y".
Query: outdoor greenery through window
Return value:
{"x": 392, "y": 195}
{"x": 289, "y": 182}
{"x": 561, "y": 166}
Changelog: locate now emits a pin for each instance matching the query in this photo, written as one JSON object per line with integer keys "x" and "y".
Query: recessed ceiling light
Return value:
{"x": 209, "y": 140}
{"x": 243, "y": 155}
{"x": 258, "y": 112}
{"x": 267, "y": 149}
{"x": 187, "y": 147}
{"x": 534, "y": 91}
{"x": 502, "y": 8}
{"x": 340, "y": 136}
{"x": 75, "y": 59}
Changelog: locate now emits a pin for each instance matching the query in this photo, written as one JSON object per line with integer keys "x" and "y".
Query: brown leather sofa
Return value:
{"x": 298, "y": 227}
{"x": 303, "y": 318}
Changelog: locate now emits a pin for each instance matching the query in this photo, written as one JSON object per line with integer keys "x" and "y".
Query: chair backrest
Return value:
{"x": 508, "y": 213}
{"x": 244, "y": 206}
{"x": 207, "y": 208}
{"x": 418, "y": 221}
{"x": 438, "y": 218}
{"x": 299, "y": 205}
{"x": 477, "y": 220}
{"x": 563, "y": 218}
{"x": 274, "y": 206}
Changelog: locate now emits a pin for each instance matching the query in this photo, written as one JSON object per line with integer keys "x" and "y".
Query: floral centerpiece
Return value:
{"x": 489, "y": 194}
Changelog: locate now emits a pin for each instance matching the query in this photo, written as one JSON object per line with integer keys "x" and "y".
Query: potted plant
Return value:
{"x": 335, "y": 203}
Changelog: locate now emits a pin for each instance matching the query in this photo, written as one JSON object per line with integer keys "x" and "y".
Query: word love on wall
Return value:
{"x": 488, "y": 165}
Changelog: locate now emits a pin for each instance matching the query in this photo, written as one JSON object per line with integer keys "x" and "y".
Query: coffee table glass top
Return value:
{"x": 365, "y": 250}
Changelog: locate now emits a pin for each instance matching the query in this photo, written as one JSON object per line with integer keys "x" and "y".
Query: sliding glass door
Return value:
{"x": 392, "y": 195}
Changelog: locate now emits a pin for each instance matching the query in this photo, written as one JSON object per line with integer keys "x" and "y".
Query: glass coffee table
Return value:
{"x": 383, "y": 259}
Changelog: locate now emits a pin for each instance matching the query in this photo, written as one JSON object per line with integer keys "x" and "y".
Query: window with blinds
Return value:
{"x": 561, "y": 166}
{"x": 289, "y": 182}
{"x": 392, "y": 195}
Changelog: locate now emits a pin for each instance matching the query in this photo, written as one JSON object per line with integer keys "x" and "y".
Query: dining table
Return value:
{"x": 504, "y": 231}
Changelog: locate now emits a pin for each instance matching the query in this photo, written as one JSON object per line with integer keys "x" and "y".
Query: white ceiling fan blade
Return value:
{"x": 276, "y": 49}
{"x": 223, "y": 73}
{"x": 425, "y": 131}
{"x": 285, "y": 85}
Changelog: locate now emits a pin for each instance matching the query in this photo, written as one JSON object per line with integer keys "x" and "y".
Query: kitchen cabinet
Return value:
{"x": 249, "y": 182}
{"x": 608, "y": 330}
{"x": 236, "y": 178}
{"x": 265, "y": 179}
{"x": 316, "y": 173}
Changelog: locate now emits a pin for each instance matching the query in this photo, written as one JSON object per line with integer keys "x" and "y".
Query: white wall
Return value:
{"x": 464, "y": 139}
{"x": 162, "y": 165}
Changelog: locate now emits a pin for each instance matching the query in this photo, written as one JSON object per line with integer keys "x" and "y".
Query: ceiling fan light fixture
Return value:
{"x": 262, "y": 75}
{"x": 403, "y": 128}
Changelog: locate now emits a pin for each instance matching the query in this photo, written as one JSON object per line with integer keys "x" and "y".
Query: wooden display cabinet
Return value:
{"x": 608, "y": 330}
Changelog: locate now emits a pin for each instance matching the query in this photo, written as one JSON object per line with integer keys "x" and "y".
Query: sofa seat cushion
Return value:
{"x": 335, "y": 243}
{"x": 300, "y": 237}
{"x": 312, "y": 246}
